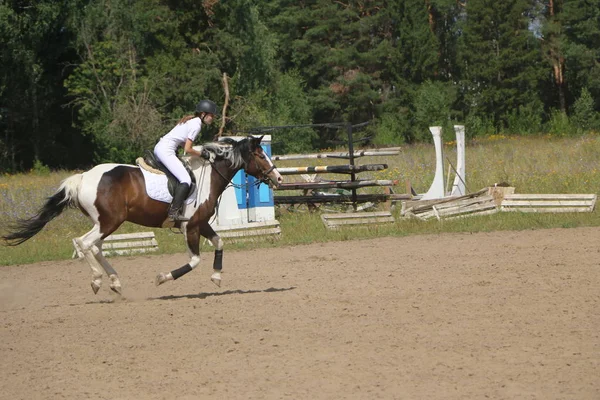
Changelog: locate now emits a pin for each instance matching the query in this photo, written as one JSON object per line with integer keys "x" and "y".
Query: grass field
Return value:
{"x": 540, "y": 164}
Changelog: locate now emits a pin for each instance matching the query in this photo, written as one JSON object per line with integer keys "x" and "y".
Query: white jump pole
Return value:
{"x": 458, "y": 187}
{"x": 437, "y": 189}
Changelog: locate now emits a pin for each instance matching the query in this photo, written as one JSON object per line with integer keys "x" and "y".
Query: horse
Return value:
{"x": 110, "y": 194}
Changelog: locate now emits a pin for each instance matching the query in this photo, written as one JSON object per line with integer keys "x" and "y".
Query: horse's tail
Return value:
{"x": 65, "y": 196}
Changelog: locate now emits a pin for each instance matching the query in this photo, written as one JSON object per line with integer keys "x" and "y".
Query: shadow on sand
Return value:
{"x": 225, "y": 293}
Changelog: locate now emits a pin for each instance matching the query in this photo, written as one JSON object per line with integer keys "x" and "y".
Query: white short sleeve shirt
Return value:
{"x": 181, "y": 132}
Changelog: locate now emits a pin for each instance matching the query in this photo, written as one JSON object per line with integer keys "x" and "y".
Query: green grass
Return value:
{"x": 531, "y": 164}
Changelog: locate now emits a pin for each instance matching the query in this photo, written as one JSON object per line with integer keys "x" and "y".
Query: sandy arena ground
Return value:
{"x": 503, "y": 315}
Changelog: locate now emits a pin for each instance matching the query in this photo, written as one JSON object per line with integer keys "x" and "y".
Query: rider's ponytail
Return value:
{"x": 186, "y": 118}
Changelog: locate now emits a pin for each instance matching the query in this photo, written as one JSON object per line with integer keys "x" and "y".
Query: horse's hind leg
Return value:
{"x": 86, "y": 245}
{"x": 115, "y": 282}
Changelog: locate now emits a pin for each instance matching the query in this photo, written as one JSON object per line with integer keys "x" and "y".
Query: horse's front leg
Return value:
{"x": 209, "y": 233}
{"x": 192, "y": 235}
{"x": 193, "y": 242}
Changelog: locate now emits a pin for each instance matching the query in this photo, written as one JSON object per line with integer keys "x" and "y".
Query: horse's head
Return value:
{"x": 259, "y": 165}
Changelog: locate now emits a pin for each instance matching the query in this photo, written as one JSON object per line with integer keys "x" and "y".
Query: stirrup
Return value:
{"x": 175, "y": 215}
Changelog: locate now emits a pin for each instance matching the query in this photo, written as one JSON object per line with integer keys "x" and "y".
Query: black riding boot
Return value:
{"x": 181, "y": 192}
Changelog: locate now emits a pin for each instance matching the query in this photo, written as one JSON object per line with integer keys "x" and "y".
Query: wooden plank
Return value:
{"x": 250, "y": 225}
{"x": 479, "y": 213}
{"x": 475, "y": 209}
{"x": 333, "y": 221}
{"x": 361, "y": 215}
{"x": 379, "y": 220}
{"x": 122, "y": 236}
{"x": 535, "y": 196}
{"x": 124, "y": 245}
{"x": 250, "y": 232}
{"x": 453, "y": 204}
{"x": 467, "y": 209}
{"x": 547, "y": 203}
{"x": 413, "y": 204}
{"x": 548, "y": 209}
{"x": 128, "y": 252}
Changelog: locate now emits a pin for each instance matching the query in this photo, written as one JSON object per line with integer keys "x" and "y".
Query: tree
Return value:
{"x": 33, "y": 55}
{"x": 500, "y": 62}
{"x": 580, "y": 21}
{"x": 135, "y": 69}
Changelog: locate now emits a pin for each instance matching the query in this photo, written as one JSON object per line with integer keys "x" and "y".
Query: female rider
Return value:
{"x": 183, "y": 135}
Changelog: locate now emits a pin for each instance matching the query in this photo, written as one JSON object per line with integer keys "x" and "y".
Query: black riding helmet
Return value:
{"x": 206, "y": 106}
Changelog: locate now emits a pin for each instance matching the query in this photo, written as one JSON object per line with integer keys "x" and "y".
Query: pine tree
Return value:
{"x": 500, "y": 60}
{"x": 580, "y": 21}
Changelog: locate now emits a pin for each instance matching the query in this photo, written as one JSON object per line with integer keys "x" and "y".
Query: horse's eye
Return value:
{"x": 262, "y": 156}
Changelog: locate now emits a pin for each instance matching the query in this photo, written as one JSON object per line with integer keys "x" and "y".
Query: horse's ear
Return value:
{"x": 255, "y": 141}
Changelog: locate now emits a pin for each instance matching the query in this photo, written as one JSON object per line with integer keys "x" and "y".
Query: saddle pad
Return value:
{"x": 156, "y": 188}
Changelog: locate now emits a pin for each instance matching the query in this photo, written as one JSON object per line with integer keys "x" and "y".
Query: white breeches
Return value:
{"x": 170, "y": 160}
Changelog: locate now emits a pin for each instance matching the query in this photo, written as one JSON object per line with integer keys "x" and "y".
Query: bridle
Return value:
{"x": 264, "y": 179}
{"x": 265, "y": 174}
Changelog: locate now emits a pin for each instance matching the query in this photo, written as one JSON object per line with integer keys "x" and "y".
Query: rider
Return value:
{"x": 183, "y": 134}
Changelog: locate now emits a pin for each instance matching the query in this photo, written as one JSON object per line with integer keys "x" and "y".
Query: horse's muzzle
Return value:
{"x": 274, "y": 179}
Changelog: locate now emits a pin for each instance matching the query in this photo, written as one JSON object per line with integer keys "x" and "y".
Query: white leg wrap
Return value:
{"x": 217, "y": 242}
{"x": 194, "y": 261}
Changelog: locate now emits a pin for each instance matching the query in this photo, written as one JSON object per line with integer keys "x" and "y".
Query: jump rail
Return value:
{"x": 336, "y": 184}
{"x": 390, "y": 151}
{"x": 337, "y": 198}
{"x": 334, "y": 169}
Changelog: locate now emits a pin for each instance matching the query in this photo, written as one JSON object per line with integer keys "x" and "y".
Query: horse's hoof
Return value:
{"x": 117, "y": 290}
{"x": 95, "y": 287}
{"x": 115, "y": 284}
{"x": 216, "y": 278}
{"x": 160, "y": 279}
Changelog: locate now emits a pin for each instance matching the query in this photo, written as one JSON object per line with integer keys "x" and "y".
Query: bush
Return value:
{"x": 390, "y": 130}
{"x": 40, "y": 169}
{"x": 584, "y": 117}
{"x": 525, "y": 119}
{"x": 559, "y": 124}
{"x": 433, "y": 107}
{"x": 476, "y": 125}
{"x": 287, "y": 105}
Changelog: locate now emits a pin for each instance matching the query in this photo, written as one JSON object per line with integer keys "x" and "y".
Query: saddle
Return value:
{"x": 157, "y": 167}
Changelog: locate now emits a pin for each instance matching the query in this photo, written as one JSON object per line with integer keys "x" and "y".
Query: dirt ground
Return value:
{"x": 503, "y": 315}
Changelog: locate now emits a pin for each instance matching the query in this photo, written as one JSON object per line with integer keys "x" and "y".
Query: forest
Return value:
{"x": 90, "y": 81}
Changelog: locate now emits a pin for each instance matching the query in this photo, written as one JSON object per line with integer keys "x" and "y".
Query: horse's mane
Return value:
{"x": 231, "y": 150}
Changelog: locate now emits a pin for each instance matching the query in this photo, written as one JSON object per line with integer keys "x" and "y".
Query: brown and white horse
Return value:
{"x": 110, "y": 194}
